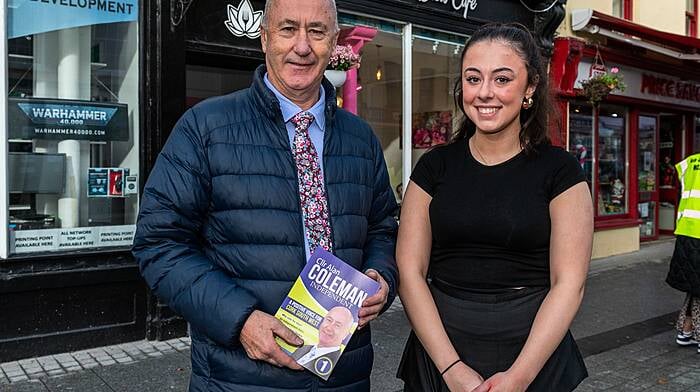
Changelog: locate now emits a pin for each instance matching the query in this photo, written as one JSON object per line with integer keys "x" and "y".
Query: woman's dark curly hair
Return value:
{"x": 534, "y": 121}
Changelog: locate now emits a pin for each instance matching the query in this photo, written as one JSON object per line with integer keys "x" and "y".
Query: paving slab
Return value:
{"x": 166, "y": 373}
{"x": 80, "y": 381}
{"x": 625, "y": 330}
{"x": 27, "y": 386}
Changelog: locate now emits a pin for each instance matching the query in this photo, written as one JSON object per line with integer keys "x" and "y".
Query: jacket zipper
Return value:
{"x": 280, "y": 124}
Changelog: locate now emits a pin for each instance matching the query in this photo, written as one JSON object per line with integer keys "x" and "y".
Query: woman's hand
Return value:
{"x": 503, "y": 382}
{"x": 462, "y": 378}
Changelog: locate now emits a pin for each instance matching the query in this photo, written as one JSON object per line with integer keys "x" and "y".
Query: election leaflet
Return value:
{"x": 322, "y": 309}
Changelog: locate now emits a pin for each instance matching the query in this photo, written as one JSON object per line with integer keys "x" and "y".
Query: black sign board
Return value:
{"x": 58, "y": 119}
{"x": 226, "y": 23}
{"x": 235, "y": 23}
{"x": 458, "y": 16}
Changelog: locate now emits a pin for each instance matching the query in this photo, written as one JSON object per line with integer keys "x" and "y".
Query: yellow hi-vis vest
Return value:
{"x": 688, "y": 223}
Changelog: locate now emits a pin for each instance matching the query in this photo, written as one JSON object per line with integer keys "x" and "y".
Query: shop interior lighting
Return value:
{"x": 456, "y": 50}
{"x": 581, "y": 21}
{"x": 435, "y": 46}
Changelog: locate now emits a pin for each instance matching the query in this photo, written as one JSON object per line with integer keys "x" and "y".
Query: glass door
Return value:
{"x": 647, "y": 175}
{"x": 670, "y": 152}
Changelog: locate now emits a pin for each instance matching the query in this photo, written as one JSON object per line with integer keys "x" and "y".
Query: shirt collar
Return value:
{"x": 318, "y": 351}
{"x": 290, "y": 109}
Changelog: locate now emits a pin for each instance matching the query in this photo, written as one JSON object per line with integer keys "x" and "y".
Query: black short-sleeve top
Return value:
{"x": 490, "y": 224}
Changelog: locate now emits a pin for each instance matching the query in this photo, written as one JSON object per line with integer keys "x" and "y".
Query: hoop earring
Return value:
{"x": 527, "y": 103}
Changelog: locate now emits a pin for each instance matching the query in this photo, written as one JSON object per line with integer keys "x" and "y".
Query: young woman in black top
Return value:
{"x": 501, "y": 223}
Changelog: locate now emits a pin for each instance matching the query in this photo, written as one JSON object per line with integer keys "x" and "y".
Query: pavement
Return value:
{"x": 624, "y": 329}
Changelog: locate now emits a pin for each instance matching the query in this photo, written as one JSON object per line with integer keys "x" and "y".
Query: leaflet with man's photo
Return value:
{"x": 322, "y": 308}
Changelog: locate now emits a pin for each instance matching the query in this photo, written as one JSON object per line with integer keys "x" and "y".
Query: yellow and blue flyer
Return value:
{"x": 322, "y": 308}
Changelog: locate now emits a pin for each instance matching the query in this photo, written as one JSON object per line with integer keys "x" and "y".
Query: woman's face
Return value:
{"x": 494, "y": 84}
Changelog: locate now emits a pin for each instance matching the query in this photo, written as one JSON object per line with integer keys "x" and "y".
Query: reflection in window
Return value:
{"x": 380, "y": 95}
{"x": 73, "y": 134}
{"x": 436, "y": 68}
{"x": 612, "y": 175}
{"x": 581, "y": 138}
{"x": 646, "y": 163}
{"x": 646, "y": 175}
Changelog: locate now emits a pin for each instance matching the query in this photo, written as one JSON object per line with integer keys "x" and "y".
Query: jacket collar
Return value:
{"x": 268, "y": 103}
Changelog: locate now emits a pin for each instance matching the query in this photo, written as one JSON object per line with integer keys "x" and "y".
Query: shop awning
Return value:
{"x": 669, "y": 44}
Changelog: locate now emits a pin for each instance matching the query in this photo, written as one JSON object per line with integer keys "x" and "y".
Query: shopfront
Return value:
{"x": 70, "y": 175}
{"x": 421, "y": 38}
{"x": 629, "y": 143}
{"x": 94, "y": 88}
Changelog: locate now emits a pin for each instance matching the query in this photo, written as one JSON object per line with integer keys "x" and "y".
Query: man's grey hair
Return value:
{"x": 270, "y": 3}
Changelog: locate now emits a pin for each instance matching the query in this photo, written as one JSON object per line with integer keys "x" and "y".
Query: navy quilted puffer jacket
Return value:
{"x": 220, "y": 230}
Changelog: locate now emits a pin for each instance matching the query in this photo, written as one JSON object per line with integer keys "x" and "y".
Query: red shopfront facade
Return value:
{"x": 628, "y": 144}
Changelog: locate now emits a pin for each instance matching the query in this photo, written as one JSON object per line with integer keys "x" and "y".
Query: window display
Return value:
{"x": 436, "y": 63}
{"x": 612, "y": 174}
{"x": 73, "y": 115}
{"x": 581, "y": 138}
{"x": 380, "y": 92}
{"x": 646, "y": 162}
{"x": 646, "y": 175}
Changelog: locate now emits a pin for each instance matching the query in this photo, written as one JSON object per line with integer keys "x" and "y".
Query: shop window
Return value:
{"x": 612, "y": 157}
{"x": 380, "y": 91}
{"x": 581, "y": 138}
{"x": 646, "y": 175}
{"x": 73, "y": 115}
{"x": 436, "y": 68}
{"x": 691, "y": 18}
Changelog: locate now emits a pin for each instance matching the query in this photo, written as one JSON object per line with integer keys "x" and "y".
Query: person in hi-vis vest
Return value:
{"x": 684, "y": 271}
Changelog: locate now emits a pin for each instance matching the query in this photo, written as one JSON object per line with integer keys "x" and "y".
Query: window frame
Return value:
{"x": 596, "y": 137}
{"x": 611, "y": 220}
{"x": 691, "y": 20}
{"x": 7, "y": 234}
{"x": 626, "y": 10}
{"x": 4, "y": 195}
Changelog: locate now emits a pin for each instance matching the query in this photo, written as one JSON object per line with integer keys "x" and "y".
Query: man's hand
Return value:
{"x": 373, "y": 305}
{"x": 258, "y": 340}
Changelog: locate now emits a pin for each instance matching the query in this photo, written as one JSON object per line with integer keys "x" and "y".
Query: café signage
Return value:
{"x": 458, "y": 5}
{"x": 31, "y": 118}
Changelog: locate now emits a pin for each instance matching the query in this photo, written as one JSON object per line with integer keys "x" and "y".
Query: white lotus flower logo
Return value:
{"x": 243, "y": 21}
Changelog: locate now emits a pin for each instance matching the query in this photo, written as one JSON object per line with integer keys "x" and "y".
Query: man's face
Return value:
{"x": 298, "y": 42}
{"x": 334, "y": 327}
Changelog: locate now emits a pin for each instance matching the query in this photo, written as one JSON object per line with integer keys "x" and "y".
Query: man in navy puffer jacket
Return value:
{"x": 221, "y": 235}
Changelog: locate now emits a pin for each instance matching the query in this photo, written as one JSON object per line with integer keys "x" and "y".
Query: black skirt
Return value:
{"x": 684, "y": 270}
{"x": 489, "y": 331}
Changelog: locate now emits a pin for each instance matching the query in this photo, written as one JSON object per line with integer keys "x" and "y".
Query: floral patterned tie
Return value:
{"x": 311, "y": 192}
